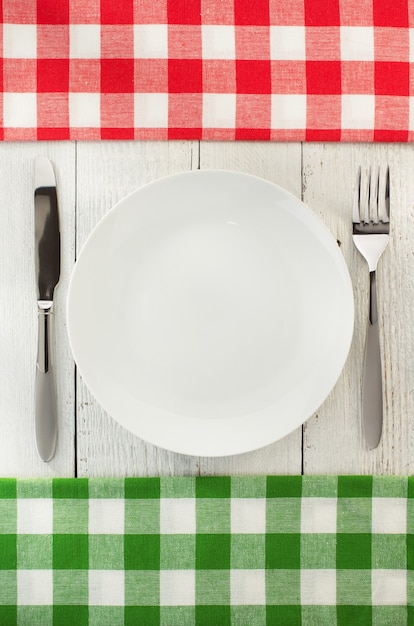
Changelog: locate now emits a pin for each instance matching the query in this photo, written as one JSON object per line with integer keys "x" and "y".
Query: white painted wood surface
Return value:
{"x": 18, "y": 311}
{"x": 92, "y": 177}
{"x": 329, "y": 175}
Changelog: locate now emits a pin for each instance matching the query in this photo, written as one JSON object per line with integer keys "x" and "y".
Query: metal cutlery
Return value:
{"x": 47, "y": 266}
{"x": 371, "y": 229}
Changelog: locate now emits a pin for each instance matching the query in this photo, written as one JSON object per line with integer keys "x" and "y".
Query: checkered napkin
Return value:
{"x": 314, "y": 70}
{"x": 211, "y": 551}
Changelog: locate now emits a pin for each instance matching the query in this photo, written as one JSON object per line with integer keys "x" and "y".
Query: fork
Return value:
{"x": 371, "y": 230}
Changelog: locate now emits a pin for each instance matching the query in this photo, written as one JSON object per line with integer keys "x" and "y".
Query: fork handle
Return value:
{"x": 372, "y": 377}
{"x": 373, "y": 307}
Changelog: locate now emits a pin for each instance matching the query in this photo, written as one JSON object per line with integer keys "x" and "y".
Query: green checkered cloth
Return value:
{"x": 207, "y": 551}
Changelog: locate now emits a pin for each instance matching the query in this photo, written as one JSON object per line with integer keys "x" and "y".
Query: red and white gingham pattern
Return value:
{"x": 300, "y": 70}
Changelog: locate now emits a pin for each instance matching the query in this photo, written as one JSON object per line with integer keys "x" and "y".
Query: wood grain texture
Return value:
{"x": 107, "y": 172}
{"x": 281, "y": 164}
{"x": 18, "y": 310}
{"x": 104, "y": 448}
{"x": 333, "y": 441}
{"x": 91, "y": 178}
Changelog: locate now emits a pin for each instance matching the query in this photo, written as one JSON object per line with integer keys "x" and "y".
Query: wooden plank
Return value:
{"x": 281, "y": 164}
{"x": 106, "y": 172}
{"x": 18, "y": 310}
{"x": 333, "y": 440}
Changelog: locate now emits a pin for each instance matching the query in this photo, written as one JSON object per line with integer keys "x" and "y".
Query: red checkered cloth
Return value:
{"x": 283, "y": 70}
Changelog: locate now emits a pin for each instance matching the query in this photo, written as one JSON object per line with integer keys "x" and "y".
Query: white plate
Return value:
{"x": 210, "y": 313}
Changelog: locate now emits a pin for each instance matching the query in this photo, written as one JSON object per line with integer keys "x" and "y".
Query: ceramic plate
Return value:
{"x": 210, "y": 313}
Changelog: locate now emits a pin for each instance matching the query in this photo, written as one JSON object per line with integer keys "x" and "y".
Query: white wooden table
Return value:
{"x": 91, "y": 177}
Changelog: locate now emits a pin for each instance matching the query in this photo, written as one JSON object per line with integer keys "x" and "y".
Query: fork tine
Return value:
{"x": 384, "y": 196}
{"x": 374, "y": 200}
{"x": 366, "y": 197}
{"x": 357, "y": 195}
{"x": 386, "y": 214}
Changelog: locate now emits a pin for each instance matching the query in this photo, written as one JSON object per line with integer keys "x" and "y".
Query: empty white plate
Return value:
{"x": 210, "y": 313}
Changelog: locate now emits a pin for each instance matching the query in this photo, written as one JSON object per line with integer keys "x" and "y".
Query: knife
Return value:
{"x": 47, "y": 267}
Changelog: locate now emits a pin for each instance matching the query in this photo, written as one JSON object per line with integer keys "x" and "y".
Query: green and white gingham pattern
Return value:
{"x": 208, "y": 551}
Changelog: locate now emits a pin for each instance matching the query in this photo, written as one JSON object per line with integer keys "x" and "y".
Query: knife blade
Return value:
{"x": 47, "y": 268}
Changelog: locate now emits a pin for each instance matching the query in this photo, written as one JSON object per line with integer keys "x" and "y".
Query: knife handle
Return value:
{"x": 45, "y": 391}
{"x": 372, "y": 410}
